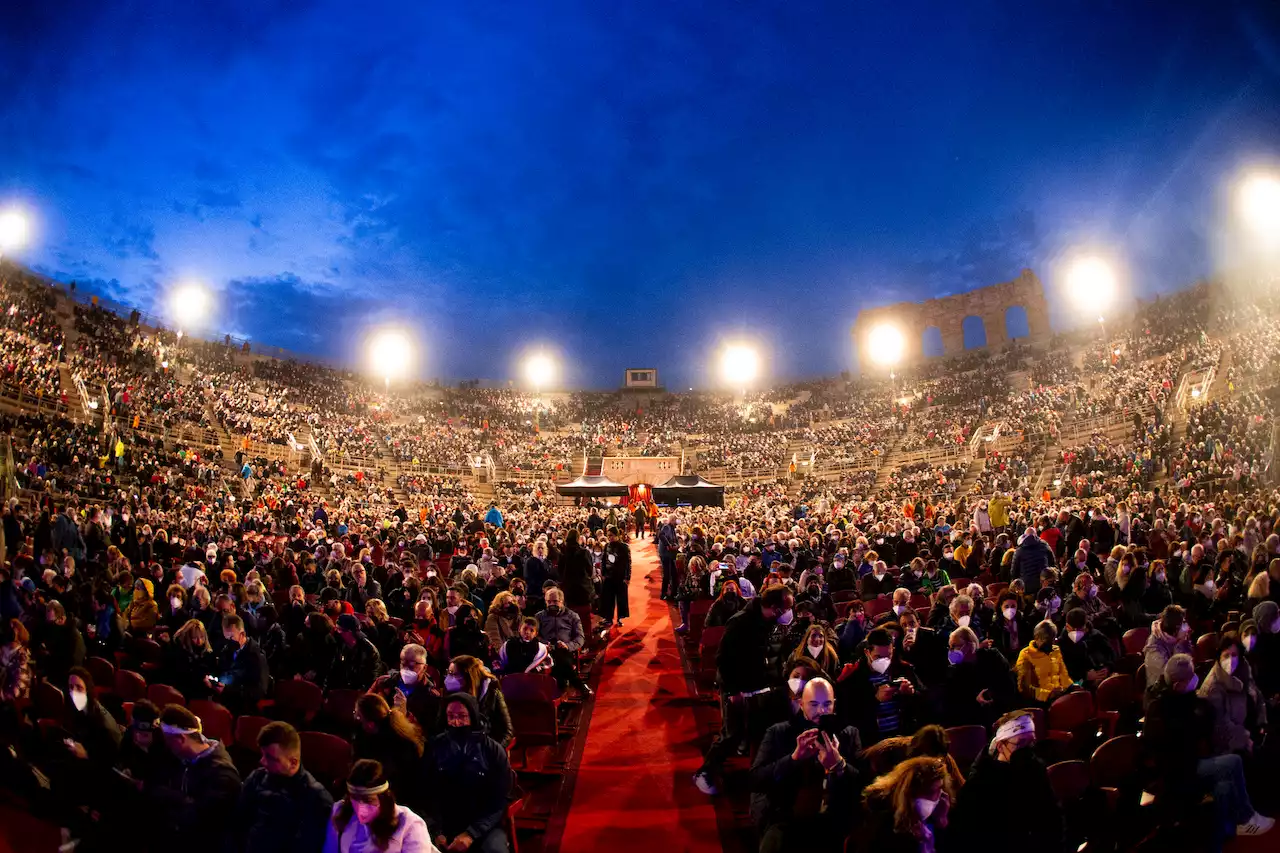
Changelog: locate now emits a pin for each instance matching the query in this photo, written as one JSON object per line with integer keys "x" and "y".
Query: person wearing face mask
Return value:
{"x": 923, "y": 648}
{"x": 369, "y": 818}
{"x": 467, "y": 782}
{"x": 503, "y": 620}
{"x": 561, "y": 629}
{"x": 1264, "y": 657}
{"x": 819, "y": 603}
{"x": 978, "y": 686}
{"x": 142, "y": 613}
{"x": 1048, "y": 606}
{"x": 880, "y": 693}
{"x": 189, "y": 660}
{"x": 469, "y": 675}
{"x": 879, "y": 582}
{"x": 817, "y": 648}
{"x": 1086, "y": 652}
{"x": 908, "y": 808}
{"x": 729, "y": 602}
{"x": 901, "y": 604}
{"x": 243, "y": 674}
{"x": 1240, "y": 710}
{"x": 282, "y": 806}
{"x": 1170, "y": 635}
{"x": 1177, "y": 735}
{"x": 801, "y": 762}
{"x": 1007, "y": 803}
{"x": 960, "y": 615}
{"x": 1042, "y": 674}
{"x": 1031, "y": 558}
{"x": 742, "y": 674}
{"x": 92, "y": 733}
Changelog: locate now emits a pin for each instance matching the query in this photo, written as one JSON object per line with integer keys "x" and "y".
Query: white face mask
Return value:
{"x": 408, "y": 676}
{"x": 80, "y": 699}
{"x": 881, "y": 665}
{"x": 1076, "y": 636}
{"x": 879, "y": 576}
{"x": 963, "y": 622}
{"x": 1249, "y": 642}
{"x": 785, "y": 617}
{"x": 176, "y": 603}
{"x": 796, "y": 685}
{"x": 898, "y": 608}
{"x": 1230, "y": 663}
{"x": 814, "y": 651}
{"x": 925, "y": 807}
{"x": 452, "y": 608}
{"x": 1010, "y": 613}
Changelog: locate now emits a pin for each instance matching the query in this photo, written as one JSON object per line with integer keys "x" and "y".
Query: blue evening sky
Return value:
{"x": 629, "y": 182}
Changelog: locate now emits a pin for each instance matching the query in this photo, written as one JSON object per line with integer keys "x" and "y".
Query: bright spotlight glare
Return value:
{"x": 539, "y": 369}
{"x": 13, "y": 230}
{"x": 390, "y": 352}
{"x": 886, "y": 344}
{"x": 1092, "y": 282}
{"x": 1260, "y": 203}
{"x": 189, "y": 304}
{"x": 739, "y": 364}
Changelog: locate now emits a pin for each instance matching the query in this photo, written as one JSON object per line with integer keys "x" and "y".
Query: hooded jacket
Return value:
{"x": 1236, "y": 704}
{"x": 470, "y": 777}
{"x": 1160, "y": 647}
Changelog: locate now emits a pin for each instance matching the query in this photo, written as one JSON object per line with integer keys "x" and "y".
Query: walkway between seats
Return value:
{"x": 633, "y": 790}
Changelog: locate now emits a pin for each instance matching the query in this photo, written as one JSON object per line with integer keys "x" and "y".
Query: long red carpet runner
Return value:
{"x": 633, "y": 790}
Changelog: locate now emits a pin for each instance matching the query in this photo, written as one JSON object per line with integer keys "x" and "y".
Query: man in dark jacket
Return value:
{"x": 357, "y": 663}
{"x": 616, "y": 574}
{"x": 282, "y": 806}
{"x": 1032, "y": 557}
{"x": 195, "y": 802}
{"x": 243, "y": 673}
{"x": 742, "y": 673}
{"x": 468, "y": 780}
{"x": 879, "y": 694}
{"x": 1010, "y": 783}
{"x": 362, "y": 588}
{"x": 668, "y": 545}
{"x": 804, "y": 789}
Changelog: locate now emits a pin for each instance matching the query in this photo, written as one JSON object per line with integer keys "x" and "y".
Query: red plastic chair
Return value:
{"x": 965, "y": 744}
{"x": 296, "y": 701}
{"x": 525, "y": 684}
{"x": 246, "y": 731}
{"x": 215, "y": 720}
{"x": 103, "y": 672}
{"x": 919, "y": 601}
{"x": 48, "y": 702}
{"x": 1135, "y": 640}
{"x": 130, "y": 686}
{"x": 148, "y": 652}
{"x": 1069, "y": 780}
{"x": 162, "y": 694}
{"x": 843, "y": 608}
{"x": 509, "y": 822}
{"x": 535, "y": 720}
{"x": 1071, "y": 712}
{"x": 327, "y": 756}
{"x": 1206, "y": 647}
{"x": 994, "y": 589}
{"x": 877, "y": 606}
{"x": 844, "y": 595}
{"x": 1118, "y": 762}
{"x": 1116, "y": 694}
{"x": 340, "y": 707}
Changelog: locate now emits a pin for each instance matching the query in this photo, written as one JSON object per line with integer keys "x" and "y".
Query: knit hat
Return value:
{"x": 1265, "y": 616}
{"x": 1179, "y": 668}
{"x": 347, "y": 622}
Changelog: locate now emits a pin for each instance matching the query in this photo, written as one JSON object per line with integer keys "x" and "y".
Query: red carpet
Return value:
{"x": 633, "y": 790}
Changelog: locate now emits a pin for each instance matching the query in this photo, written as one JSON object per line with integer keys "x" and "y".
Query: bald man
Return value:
{"x": 803, "y": 763}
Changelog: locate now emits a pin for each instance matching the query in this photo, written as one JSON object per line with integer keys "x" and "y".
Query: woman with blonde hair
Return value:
{"x": 817, "y": 647}
{"x": 467, "y": 674}
{"x": 906, "y": 807}
{"x": 694, "y": 586}
{"x": 1259, "y": 591}
{"x": 380, "y": 630}
{"x": 503, "y": 620}
{"x": 386, "y": 734}
{"x": 188, "y": 659}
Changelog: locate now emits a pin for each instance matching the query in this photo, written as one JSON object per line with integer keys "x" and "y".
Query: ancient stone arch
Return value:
{"x": 948, "y": 313}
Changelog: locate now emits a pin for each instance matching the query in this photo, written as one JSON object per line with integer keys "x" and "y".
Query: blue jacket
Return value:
{"x": 493, "y": 516}
{"x": 1032, "y": 557}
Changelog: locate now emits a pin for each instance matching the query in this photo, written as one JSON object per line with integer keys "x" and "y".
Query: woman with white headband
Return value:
{"x": 1008, "y": 780}
{"x": 379, "y": 823}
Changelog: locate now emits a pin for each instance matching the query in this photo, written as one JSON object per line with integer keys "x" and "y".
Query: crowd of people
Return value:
{"x": 895, "y": 653}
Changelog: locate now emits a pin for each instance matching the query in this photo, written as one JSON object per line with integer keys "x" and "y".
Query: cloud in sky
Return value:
{"x": 631, "y": 181}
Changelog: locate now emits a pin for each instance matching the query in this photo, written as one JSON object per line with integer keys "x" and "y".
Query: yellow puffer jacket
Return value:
{"x": 1041, "y": 673}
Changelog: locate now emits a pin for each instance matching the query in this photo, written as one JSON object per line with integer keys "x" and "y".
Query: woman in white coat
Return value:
{"x": 367, "y": 819}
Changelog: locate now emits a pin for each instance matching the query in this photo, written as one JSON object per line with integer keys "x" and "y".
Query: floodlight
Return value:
{"x": 189, "y": 304}
{"x": 1092, "y": 282}
{"x": 13, "y": 230}
{"x": 540, "y": 370}
{"x": 739, "y": 364}
{"x": 886, "y": 344}
{"x": 390, "y": 353}
{"x": 1259, "y": 201}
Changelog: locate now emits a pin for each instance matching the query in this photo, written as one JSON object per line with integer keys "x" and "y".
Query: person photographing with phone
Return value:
{"x": 880, "y": 693}
{"x": 804, "y": 786}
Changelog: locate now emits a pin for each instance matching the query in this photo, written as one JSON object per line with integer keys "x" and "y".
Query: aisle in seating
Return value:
{"x": 633, "y": 789}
